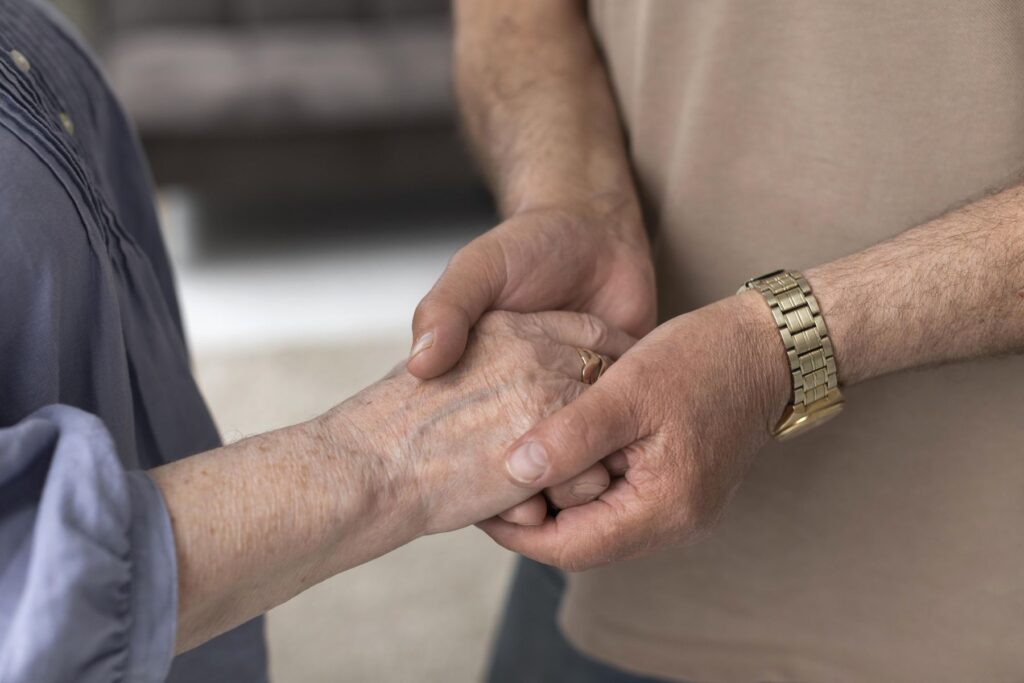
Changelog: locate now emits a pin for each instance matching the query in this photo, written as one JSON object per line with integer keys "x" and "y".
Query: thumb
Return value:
{"x": 469, "y": 286}
{"x": 571, "y": 440}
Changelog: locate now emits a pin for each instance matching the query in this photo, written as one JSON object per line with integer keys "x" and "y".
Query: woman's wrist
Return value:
{"x": 364, "y": 443}
{"x": 260, "y": 520}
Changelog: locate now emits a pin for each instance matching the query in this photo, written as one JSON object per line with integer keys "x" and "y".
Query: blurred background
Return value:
{"x": 312, "y": 186}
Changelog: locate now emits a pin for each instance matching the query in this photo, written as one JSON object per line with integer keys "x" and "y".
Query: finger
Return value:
{"x": 469, "y": 286}
{"x": 582, "y": 488}
{"x": 612, "y": 527}
{"x": 598, "y": 423}
{"x": 588, "y": 331}
{"x": 530, "y": 512}
{"x": 617, "y": 463}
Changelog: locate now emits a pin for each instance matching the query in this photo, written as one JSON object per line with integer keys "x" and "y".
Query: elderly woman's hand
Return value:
{"x": 262, "y": 519}
{"x": 438, "y": 443}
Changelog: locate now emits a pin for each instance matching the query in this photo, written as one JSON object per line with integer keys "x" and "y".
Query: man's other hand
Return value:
{"x": 683, "y": 413}
{"x": 594, "y": 260}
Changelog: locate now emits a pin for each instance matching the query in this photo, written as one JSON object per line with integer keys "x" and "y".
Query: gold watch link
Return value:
{"x": 816, "y": 393}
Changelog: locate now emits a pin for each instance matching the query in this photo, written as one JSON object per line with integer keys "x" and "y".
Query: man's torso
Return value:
{"x": 884, "y": 546}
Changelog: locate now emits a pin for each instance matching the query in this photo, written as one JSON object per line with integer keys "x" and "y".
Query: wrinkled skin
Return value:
{"x": 441, "y": 441}
{"x": 592, "y": 257}
{"x": 686, "y": 409}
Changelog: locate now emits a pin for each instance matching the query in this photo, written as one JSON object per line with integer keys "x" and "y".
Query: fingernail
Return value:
{"x": 586, "y": 490}
{"x": 422, "y": 344}
{"x": 528, "y": 463}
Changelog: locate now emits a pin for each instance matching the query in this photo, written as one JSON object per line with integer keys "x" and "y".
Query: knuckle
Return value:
{"x": 530, "y": 325}
{"x": 595, "y": 331}
{"x": 545, "y": 394}
{"x": 533, "y": 397}
{"x": 559, "y": 392}
{"x": 423, "y": 309}
{"x": 437, "y": 308}
{"x": 536, "y": 389}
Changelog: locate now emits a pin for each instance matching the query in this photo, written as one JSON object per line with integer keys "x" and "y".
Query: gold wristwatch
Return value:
{"x": 816, "y": 394}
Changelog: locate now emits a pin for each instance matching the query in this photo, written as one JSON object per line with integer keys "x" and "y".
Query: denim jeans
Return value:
{"x": 531, "y": 649}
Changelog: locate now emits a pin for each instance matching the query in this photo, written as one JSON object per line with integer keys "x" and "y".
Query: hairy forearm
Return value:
{"x": 536, "y": 104}
{"x": 261, "y": 520}
{"x": 948, "y": 290}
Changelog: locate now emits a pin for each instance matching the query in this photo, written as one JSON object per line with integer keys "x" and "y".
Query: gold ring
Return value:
{"x": 594, "y": 365}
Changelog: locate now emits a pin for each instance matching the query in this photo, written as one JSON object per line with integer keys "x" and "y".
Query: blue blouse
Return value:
{"x": 95, "y": 385}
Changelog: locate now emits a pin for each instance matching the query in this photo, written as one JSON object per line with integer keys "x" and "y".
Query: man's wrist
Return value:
{"x": 615, "y": 211}
{"x": 759, "y": 336}
{"x": 853, "y": 325}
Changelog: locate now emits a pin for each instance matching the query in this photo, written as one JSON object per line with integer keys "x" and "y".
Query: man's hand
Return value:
{"x": 684, "y": 411}
{"x": 688, "y": 407}
{"x": 591, "y": 259}
{"x": 539, "y": 115}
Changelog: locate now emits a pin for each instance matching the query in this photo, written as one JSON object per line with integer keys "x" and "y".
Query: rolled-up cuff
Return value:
{"x": 89, "y": 589}
{"x": 154, "y": 589}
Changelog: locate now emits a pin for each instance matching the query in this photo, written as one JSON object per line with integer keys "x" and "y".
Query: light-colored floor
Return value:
{"x": 278, "y": 339}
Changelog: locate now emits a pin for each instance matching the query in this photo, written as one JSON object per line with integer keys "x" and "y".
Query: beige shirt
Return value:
{"x": 887, "y": 545}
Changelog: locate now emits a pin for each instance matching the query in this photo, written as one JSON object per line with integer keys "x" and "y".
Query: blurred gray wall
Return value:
{"x": 246, "y": 101}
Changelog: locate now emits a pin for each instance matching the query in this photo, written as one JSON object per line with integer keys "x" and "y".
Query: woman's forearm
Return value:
{"x": 259, "y": 521}
{"x": 536, "y": 103}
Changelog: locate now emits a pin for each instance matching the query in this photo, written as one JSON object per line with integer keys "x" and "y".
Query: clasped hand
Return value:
{"x": 434, "y": 448}
{"x": 676, "y": 421}
{"x": 650, "y": 454}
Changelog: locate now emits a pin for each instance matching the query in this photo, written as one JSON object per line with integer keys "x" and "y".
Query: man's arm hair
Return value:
{"x": 950, "y": 289}
{"x": 536, "y": 104}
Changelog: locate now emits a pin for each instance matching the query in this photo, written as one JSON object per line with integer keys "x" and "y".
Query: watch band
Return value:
{"x": 812, "y": 364}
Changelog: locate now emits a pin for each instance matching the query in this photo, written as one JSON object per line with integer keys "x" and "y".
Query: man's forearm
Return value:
{"x": 259, "y": 521}
{"x": 951, "y": 289}
{"x": 948, "y": 290}
{"x": 536, "y": 104}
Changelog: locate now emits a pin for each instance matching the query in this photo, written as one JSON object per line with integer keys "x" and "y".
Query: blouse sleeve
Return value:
{"x": 88, "y": 582}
